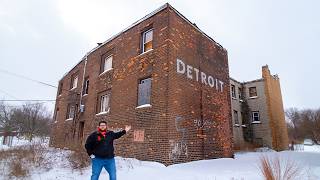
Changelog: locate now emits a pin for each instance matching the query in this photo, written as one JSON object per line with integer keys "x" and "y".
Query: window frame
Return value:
{"x": 253, "y": 117}
{"x": 103, "y": 63}
{"x": 85, "y": 90}
{"x": 99, "y": 103}
{"x": 240, "y": 93}
{"x": 73, "y": 78}
{"x": 256, "y": 92}
{"x": 56, "y": 115}
{"x": 60, "y": 89}
{"x": 236, "y": 118}
{"x": 68, "y": 116}
{"x": 143, "y": 40}
{"x": 150, "y": 92}
{"x": 233, "y": 91}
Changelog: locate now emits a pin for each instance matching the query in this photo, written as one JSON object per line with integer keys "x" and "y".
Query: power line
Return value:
{"x": 8, "y": 94}
{"x": 24, "y": 77}
{"x": 30, "y": 79}
{"x": 28, "y": 104}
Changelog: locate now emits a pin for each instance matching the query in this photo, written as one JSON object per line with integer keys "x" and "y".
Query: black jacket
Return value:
{"x": 103, "y": 148}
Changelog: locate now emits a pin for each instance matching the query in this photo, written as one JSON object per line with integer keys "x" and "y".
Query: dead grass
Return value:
{"x": 20, "y": 160}
{"x": 277, "y": 169}
{"x": 78, "y": 158}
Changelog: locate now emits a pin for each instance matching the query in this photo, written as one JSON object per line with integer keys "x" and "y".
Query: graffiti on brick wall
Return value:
{"x": 202, "y": 124}
{"x": 179, "y": 147}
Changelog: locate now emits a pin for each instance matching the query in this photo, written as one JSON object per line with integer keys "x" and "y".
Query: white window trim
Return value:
{"x": 103, "y": 113}
{"x": 104, "y": 64}
{"x": 256, "y": 122}
{"x": 143, "y": 38}
{"x": 69, "y": 119}
{"x": 253, "y": 121}
{"x": 144, "y": 106}
{"x": 253, "y": 97}
{"x": 105, "y": 71}
{"x": 145, "y": 52}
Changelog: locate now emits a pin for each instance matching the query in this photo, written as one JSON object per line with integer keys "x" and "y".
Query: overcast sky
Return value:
{"x": 42, "y": 40}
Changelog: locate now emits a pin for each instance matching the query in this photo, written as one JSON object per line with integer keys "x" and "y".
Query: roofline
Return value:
{"x": 247, "y": 82}
{"x": 118, "y": 34}
{"x": 255, "y": 80}
{"x": 139, "y": 21}
{"x": 186, "y": 19}
{"x": 235, "y": 80}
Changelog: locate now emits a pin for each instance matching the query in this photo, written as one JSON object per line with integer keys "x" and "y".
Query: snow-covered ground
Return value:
{"x": 22, "y": 141}
{"x": 243, "y": 167}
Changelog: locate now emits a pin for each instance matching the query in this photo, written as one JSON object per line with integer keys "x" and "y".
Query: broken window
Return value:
{"x": 235, "y": 117}
{"x": 253, "y": 92}
{"x": 86, "y": 86}
{"x": 233, "y": 91}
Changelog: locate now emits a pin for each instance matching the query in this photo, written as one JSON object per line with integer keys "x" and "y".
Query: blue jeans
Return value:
{"x": 108, "y": 164}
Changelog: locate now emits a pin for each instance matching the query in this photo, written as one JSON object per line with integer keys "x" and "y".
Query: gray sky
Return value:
{"x": 44, "y": 39}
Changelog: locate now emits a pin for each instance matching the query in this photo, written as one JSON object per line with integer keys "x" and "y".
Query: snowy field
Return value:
{"x": 243, "y": 167}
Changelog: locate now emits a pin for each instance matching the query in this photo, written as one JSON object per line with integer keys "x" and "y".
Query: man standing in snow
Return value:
{"x": 99, "y": 146}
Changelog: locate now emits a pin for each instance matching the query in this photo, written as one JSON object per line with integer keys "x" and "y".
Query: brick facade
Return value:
{"x": 189, "y": 116}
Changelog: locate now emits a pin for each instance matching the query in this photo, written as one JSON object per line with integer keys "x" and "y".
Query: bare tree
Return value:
{"x": 32, "y": 120}
{"x": 304, "y": 124}
{"x": 293, "y": 115}
{"x": 6, "y": 124}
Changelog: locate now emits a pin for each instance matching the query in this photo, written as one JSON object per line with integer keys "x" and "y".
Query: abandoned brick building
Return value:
{"x": 164, "y": 77}
{"x": 258, "y": 114}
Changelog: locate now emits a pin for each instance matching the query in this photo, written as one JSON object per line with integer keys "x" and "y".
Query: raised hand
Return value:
{"x": 127, "y": 128}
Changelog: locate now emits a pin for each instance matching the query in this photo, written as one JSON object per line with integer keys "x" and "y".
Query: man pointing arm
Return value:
{"x": 99, "y": 146}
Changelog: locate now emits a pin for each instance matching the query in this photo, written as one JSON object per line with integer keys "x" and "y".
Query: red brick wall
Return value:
{"x": 169, "y": 126}
{"x": 199, "y": 115}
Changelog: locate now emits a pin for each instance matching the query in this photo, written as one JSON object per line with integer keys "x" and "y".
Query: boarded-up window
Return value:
{"x": 144, "y": 91}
